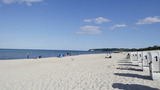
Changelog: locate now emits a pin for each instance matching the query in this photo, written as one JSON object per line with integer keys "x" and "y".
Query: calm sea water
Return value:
{"x": 6, "y": 54}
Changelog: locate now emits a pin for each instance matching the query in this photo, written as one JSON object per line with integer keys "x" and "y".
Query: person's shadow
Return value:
{"x": 132, "y": 87}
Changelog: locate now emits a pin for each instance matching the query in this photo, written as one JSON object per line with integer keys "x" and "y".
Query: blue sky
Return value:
{"x": 79, "y": 24}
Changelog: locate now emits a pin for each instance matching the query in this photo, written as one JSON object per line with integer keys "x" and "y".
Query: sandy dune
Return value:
{"x": 83, "y": 72}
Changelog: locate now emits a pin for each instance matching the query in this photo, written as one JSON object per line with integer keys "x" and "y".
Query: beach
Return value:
{"x": 81, "y": 72}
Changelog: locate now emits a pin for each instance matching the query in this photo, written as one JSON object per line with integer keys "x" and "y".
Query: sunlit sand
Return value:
{"x": 83, "y": 72}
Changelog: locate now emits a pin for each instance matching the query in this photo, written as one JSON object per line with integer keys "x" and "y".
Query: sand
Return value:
{"x": 83, "y": 72}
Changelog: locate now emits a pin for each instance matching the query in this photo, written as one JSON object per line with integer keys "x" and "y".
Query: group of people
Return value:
{"x": 29, "y": 56}
{"x": 60, "y": 55}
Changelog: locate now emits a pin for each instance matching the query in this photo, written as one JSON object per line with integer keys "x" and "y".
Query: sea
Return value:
{"x": 11, "y": 54}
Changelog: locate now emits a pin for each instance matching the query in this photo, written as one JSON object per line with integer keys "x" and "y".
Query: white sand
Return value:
{"x": 84, "y": 72}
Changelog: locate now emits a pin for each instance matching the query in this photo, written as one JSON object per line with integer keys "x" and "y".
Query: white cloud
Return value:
{"x": 149, "y": 20}
{"x": 101, "y": 20}
{"x": 27, "y": 2}
{"x": 118, "y": 25}
{"x": 89, "y": 30}
{"x": 98, "y": 20}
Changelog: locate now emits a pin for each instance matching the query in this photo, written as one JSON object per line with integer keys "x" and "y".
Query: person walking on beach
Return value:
{"x": 28, "y": 55}
{"x": 40, "y": 57}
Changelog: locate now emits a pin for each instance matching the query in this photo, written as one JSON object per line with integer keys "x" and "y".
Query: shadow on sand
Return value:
{"x": 124, "y": 62}
{"x": 134, "y": 76}
{"x": 132, "y": 69}
{"x": 132, "y": 87}
{"x": 127, "y": 65}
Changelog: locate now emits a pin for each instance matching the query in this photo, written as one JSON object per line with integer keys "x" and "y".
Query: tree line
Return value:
{"x": 155, "y": 47}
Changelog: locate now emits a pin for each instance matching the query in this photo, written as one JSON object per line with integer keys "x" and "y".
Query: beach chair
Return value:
{"x": 131, "y": 56}
{"x": 134, "y": 58}
{"x": 145, "y": 60}
{"x": 139, "y": 59}
{"x": 154, "y": 65}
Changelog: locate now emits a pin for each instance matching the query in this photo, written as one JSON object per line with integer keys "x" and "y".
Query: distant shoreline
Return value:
{"x": 155, "y": 47}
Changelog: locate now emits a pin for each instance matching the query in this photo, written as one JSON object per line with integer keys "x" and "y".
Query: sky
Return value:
{"x": 79, "y": 24}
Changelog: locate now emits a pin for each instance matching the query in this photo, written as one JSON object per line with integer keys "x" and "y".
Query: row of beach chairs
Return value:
{"x": 148, "y": 60}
